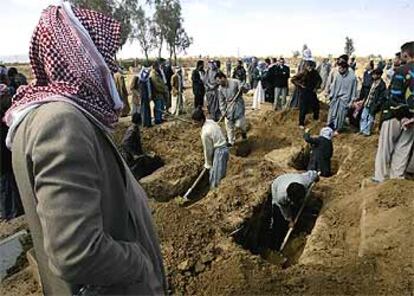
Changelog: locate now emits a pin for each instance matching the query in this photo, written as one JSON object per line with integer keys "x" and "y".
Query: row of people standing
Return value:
{"x": 10, "y": 204}
{"x": 163, "y": 85}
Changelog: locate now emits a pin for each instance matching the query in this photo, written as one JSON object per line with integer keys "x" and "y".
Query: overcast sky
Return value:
{"x": 255, "y": 27}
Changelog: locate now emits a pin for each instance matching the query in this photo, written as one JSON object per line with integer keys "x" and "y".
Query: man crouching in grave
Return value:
{"x": 141, "y": 164}
{"x": 289, "y": 192}
{"x": 232, "y": 106}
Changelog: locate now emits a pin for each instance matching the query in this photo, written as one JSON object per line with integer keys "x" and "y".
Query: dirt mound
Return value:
{"x": 360, "y": 242}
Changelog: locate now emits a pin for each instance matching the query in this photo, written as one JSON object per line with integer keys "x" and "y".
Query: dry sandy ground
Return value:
{"x": 361, "y": 243}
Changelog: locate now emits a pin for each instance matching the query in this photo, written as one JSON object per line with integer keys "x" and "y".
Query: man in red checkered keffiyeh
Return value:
{"x": 72, "y": 57}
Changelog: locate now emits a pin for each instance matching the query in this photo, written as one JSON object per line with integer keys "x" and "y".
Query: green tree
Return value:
{"x": 121, "y": 10}
{"x": 143, "y": 30}
{"x": 349, "y": 46}
{"x": 169, "y": 27}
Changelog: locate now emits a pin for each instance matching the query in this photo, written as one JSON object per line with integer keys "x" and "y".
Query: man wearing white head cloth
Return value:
{"x": 89, "y": 219}
{"x": 321, "y": 151}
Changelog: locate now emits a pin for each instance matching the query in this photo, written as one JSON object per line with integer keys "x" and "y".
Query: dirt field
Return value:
{"x": 360, "y": 244}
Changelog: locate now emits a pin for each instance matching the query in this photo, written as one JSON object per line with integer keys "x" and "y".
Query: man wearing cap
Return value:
{"x": 342, "y": 93}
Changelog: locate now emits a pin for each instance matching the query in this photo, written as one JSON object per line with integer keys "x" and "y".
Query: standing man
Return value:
{"x": 251, "y": 73}
{"x": 366, "y": 81}
{"x": 232, "y": 106}
{"x": 10, "y": 203}
{"x": 197, "y": 78}
{"x": 211, "y": 85}
{"x": 396, "y": 64}
{"x": 145, "y": 93}
{"x": 177, "y": 84}
{"x": 308, "y": 82}
{"x": 216, "y": 153}
{"x": 353, "y": 64}
{"x": 134, "y": 91}
{"x": 167, "y": 73}
{"x": 372, "y": 103}
{"x": 324, "y": 69}
{"x": 159, "y": 92}
{"x": 282, "y": 76}
{"x": 239, "y": 72}
{"x": 288, "y": 194}
{"x": 343, "y": 92}
{"x": 397, "y": 131}
{"x": 122, "y": 90}
{"x": 16, "y": 79}
{"x": 228, "y": 67}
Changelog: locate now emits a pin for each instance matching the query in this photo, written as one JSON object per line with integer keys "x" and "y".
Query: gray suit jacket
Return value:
{"x": 89, "y": 218}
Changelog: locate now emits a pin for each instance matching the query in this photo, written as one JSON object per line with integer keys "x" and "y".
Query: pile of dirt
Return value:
{"x": 360, "y": 242}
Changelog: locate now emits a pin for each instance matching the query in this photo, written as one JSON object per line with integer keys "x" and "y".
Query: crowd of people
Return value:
{"x": 10, "y": 204}
{"x": 89, "y": 219}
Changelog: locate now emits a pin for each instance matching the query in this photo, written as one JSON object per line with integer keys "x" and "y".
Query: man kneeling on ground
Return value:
{"x": 288, "y": 194}
{"x": 216, "y": 153}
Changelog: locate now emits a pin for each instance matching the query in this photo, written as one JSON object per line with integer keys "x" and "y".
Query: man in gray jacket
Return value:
{"x": 288, "y": 194}
{"x": 89, "y": 219}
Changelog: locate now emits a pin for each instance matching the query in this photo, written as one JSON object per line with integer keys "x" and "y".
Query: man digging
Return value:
{"x": 232, "y": 106}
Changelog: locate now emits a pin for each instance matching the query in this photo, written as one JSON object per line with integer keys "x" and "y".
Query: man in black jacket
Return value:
{"x": 282, "y": 75}
{"x": 321, "y": 151}
{"x": 372, "y": 103}
{"x": 198, "y": 84}
{"x": 308, "y": 82}
{"x": 239, "y": 72}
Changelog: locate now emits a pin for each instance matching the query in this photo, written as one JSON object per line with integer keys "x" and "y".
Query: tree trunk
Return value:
{"x": 175, "y": 56}
{"x": 160, "y": 49}
{"x": 146, "y": 55}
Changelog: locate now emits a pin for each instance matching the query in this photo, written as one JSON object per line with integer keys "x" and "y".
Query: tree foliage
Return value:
{"x": 164, "y": 29}
{"x": 169, "y": 27}
{"x": 121, "y": 10}
{"x": 349, "y": 46}
{"x": 143, "y": 30}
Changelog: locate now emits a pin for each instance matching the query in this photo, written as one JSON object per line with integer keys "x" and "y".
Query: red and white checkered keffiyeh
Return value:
{"x": 72, "y": 55}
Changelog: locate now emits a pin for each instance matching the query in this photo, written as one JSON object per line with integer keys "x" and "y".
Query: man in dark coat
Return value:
{"x": 308, "y": 82}
{"x": 282, "y": 76}
{"x": 373, "y": 102}
{"x": 10, "y": 204}
{"x": 321, "y": 151}
{"x": 239, "y": 72}
{"x": 198, "y": 85}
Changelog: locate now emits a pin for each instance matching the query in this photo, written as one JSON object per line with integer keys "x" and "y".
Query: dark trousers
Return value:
{"x": 159, "y": 107}
{"x": 198, "y": 99}
{"x": 10, "y": 203}
{"x": 308, "y": 101}
{"x": 146, "y": 113}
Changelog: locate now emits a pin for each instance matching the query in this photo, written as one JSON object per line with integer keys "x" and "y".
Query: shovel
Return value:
{"x": 184, "y": 200}
{"x": 296, "y": 219}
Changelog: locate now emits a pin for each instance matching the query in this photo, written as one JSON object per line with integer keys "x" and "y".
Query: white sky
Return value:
{"x": 258, "y": 27}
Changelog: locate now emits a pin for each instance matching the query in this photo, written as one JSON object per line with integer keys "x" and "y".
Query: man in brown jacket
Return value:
{"x": 89, "y": 219}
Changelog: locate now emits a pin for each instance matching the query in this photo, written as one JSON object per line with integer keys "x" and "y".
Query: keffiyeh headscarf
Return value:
{"x": 72, "y": 58}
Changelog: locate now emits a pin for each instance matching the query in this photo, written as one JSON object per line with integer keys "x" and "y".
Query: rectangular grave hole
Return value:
{"x": 146, "y": 165}
{"x": 255, "y": 236}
